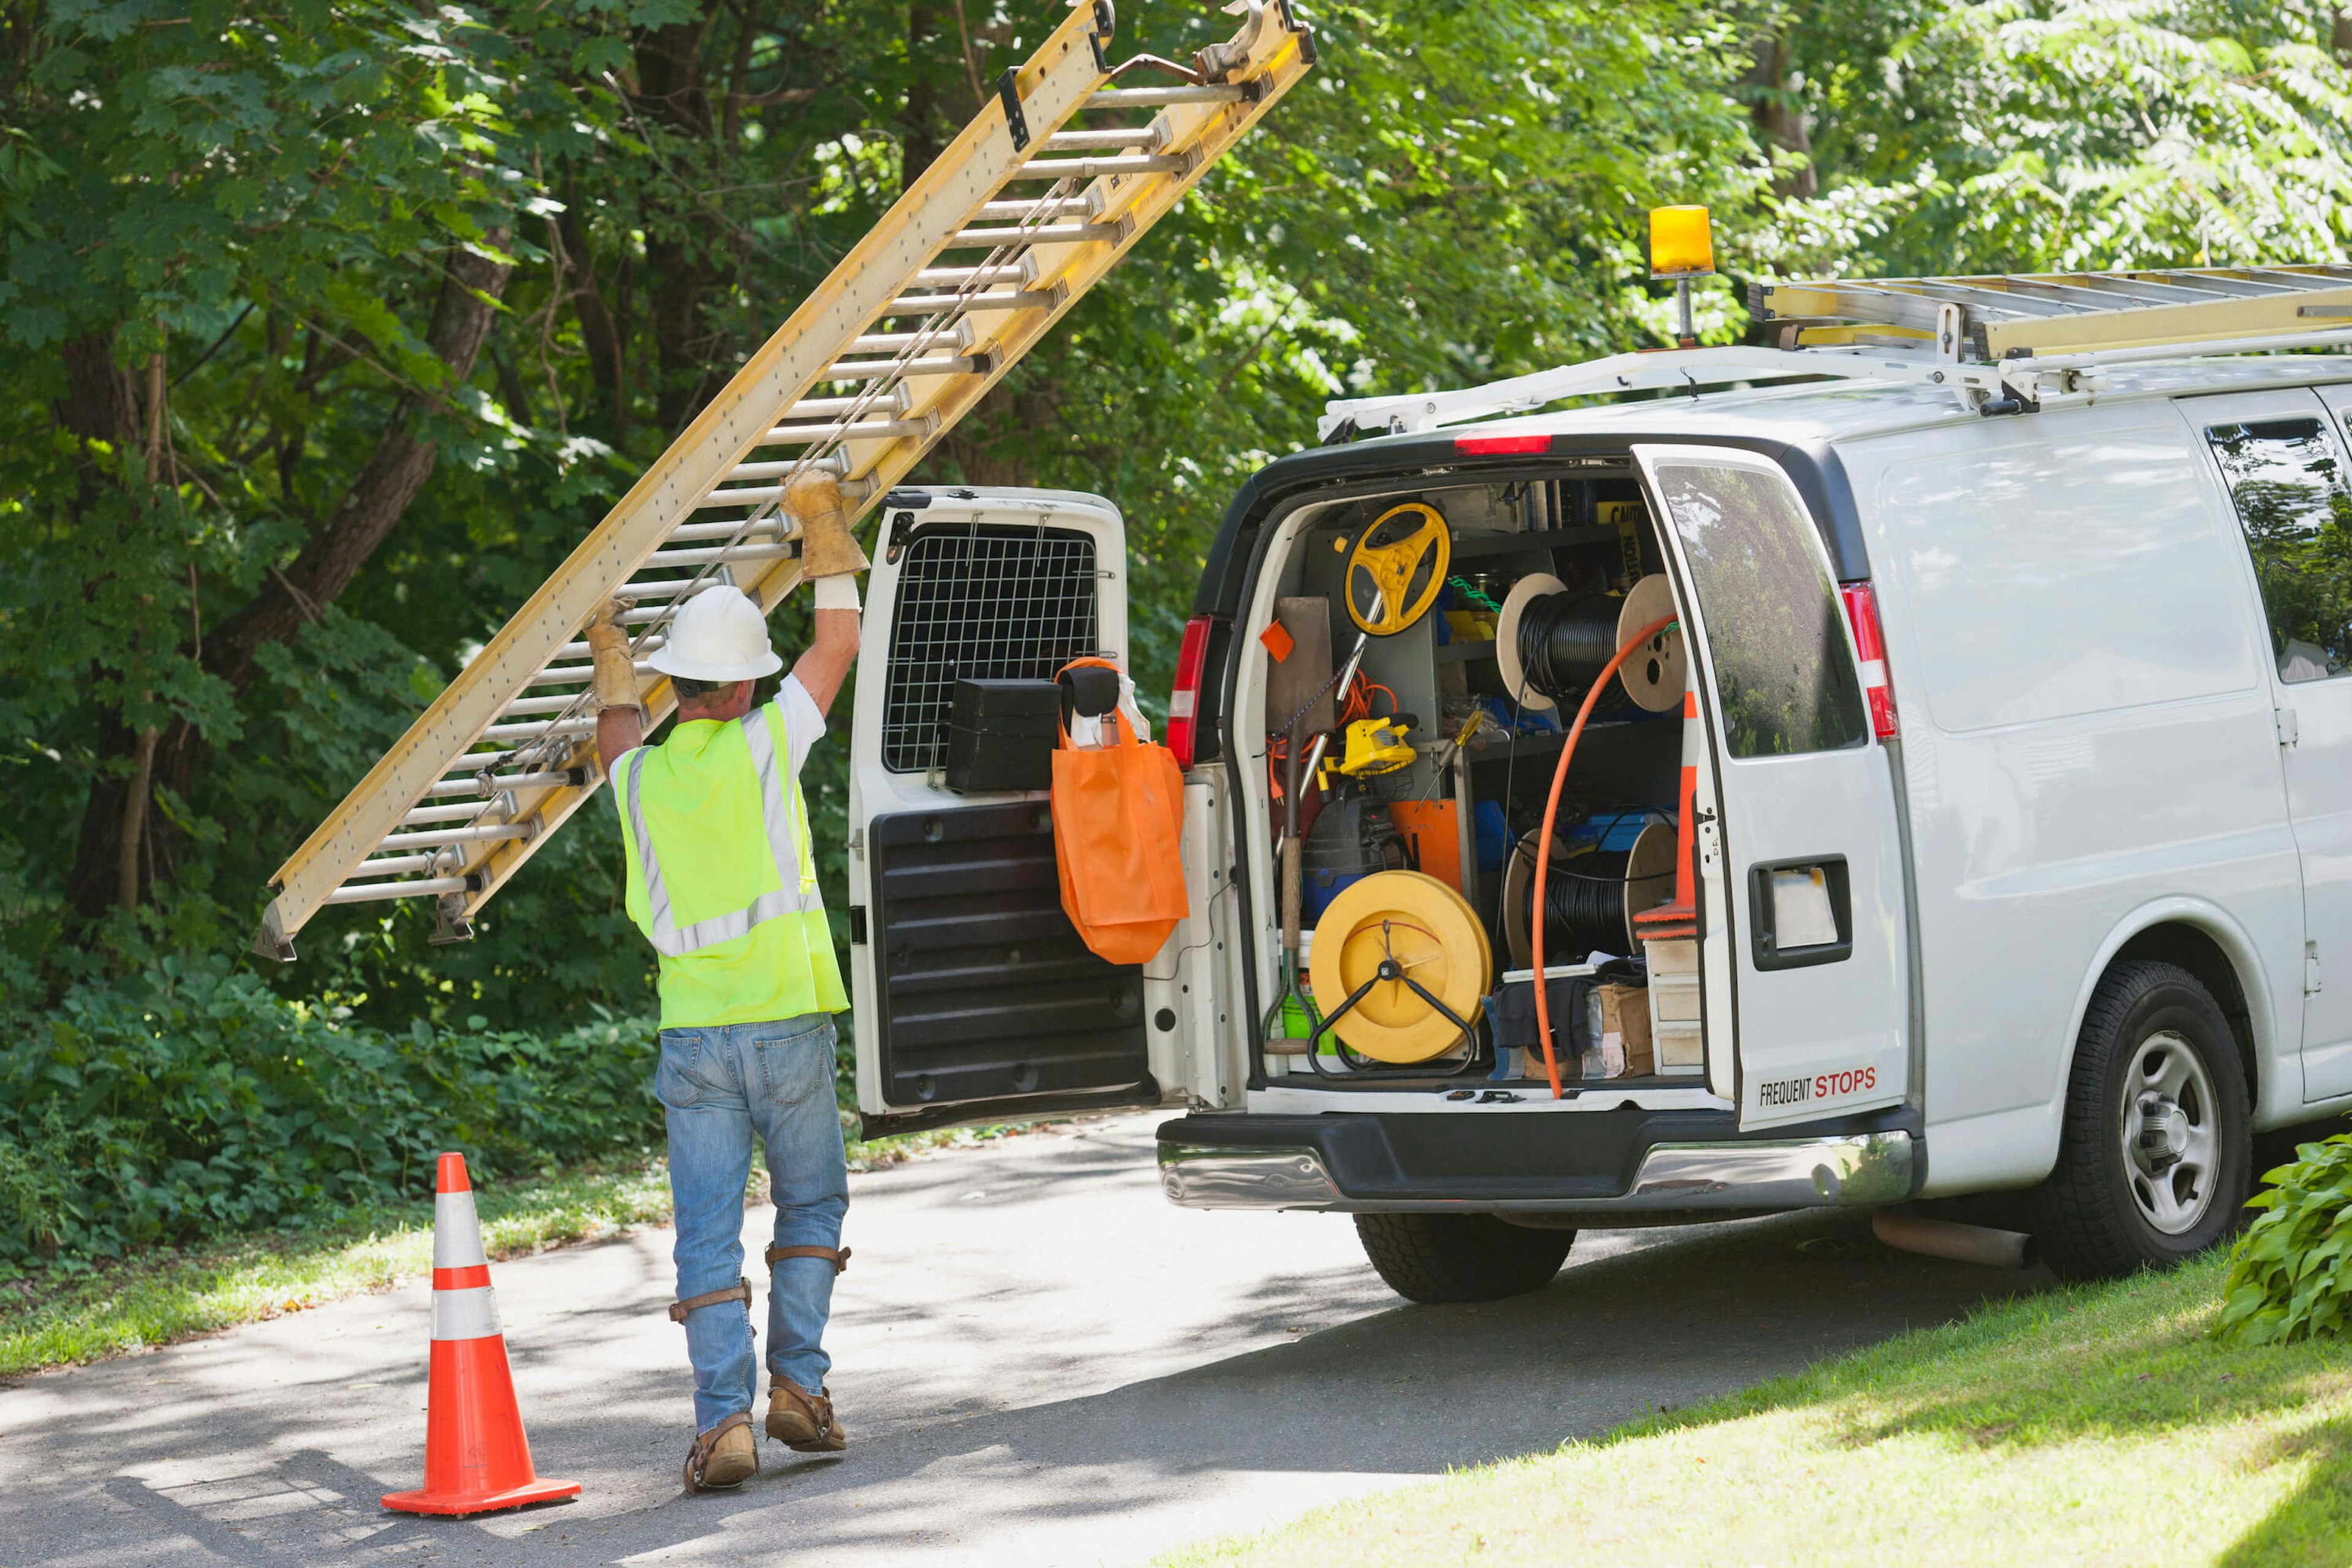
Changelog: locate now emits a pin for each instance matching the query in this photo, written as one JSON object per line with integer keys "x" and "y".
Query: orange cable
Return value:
{"x": 1543, "y": 843}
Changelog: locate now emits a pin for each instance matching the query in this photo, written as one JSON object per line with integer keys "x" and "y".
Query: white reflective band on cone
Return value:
{"x": 466, "y": 1314}
{"x": 456, "y": 1232}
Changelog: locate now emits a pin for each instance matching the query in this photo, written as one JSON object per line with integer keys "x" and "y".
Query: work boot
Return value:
{"x": 723, "y": 1457}
{"x": 803, "y": 1421}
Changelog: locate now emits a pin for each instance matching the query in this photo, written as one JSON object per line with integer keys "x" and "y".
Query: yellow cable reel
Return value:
{"x": 1432, "y": 932}
{"x": 1397, "y": 568}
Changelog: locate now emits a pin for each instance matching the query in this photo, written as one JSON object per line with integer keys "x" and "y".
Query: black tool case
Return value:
{"x": 1000, "y": 735}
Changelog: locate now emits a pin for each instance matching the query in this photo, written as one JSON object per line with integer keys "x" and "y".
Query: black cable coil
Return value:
{"x": 1585, "y": 905}
{"x": 1566, "y": 640}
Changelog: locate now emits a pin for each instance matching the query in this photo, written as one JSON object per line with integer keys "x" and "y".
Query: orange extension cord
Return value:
{"x": 1543, "y": 845}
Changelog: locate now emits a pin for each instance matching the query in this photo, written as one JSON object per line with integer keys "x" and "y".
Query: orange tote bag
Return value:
{"x": 1118, "y": 822}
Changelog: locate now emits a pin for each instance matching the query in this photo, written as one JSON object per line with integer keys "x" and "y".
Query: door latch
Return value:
{"x": 2311, "y": 969}
{"x": 2288, "y": 731}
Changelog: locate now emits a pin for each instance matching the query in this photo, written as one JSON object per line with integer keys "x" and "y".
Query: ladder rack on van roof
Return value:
{"x": 2002, "y": 343}
{"x": 876, "y": 365}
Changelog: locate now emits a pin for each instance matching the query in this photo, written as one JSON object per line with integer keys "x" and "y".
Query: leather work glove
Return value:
{"x": 827, "y": 550}
{"x": 608, "y": 645}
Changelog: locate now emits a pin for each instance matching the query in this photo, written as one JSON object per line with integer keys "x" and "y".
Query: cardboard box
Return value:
{"x": 1621, "y": 1034}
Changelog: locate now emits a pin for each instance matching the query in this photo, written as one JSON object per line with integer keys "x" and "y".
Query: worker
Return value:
{"x": 722, "y": 880}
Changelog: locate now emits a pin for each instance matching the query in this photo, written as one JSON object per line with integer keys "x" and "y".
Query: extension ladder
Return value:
{"x": 888, "y": 352}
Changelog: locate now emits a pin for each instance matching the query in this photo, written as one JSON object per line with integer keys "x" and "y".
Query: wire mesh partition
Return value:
{"x": 982, "y": 603}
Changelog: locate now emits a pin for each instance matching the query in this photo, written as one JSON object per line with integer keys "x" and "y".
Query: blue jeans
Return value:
{"x": 720, "y": 1086}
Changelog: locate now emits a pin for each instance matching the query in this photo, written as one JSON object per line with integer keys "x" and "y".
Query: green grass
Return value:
{"x": 81, "y": 1315}
{"x": 2094, "y": 1426}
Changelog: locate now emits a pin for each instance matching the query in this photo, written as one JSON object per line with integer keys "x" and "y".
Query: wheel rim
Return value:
{"x": 2171, "y": 1134}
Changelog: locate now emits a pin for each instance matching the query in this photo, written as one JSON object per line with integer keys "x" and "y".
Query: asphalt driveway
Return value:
{"x": 1038, "y": 1358}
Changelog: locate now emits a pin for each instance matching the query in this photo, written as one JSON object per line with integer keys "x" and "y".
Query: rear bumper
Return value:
{"x": 1602, "y": 1162}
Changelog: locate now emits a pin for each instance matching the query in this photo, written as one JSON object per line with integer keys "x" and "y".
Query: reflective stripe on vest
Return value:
{"x": 788, "y": 841}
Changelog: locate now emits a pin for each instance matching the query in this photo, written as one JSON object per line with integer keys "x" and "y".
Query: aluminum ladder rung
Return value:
{"x": 1040, "y": 234}
{"x": 1097, "y": 168}
{"x": 570, "y": 778}
{"x": 1021, "y": 274}
{"x": 398, "y": 865}
{"x": 366, "y": 892}
{"x": 957, "y": 335}
{"x": 986, "y": 299}
{"x": 1046, "y": 207}
{"x": 1161, "y": 96}
{"x": 646, "y": 643}
{"x": 878, "y": 369}
{"x": 777, "y": 551}
{"x": 419, "y": 817}
{"x": 765, "y": 527}
{"x": 442, "y": 837}
{"x": 883, "y": 405}
{"x": 579, "y": 674}
{"x": 1151, "y": 138}
{"x": 528, "y": 707}
{"x": 468, "y": 765}
{"x": 811, "y": 435}
{"x": 665, "y": 588}
{"x": 541, "y": 732}
{"x": 762, "y": 494}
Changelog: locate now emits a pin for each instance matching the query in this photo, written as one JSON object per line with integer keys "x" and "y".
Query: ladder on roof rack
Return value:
{"x": 2043, "y": 315}
{"x": 887, "y": 353}
{"x": 2002, "y": 344}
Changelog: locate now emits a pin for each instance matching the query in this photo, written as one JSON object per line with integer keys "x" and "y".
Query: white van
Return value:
{"x": 2051, "y": 712}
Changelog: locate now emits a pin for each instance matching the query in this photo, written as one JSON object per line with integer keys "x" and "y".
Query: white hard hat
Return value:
{"x": 718, "y": 635}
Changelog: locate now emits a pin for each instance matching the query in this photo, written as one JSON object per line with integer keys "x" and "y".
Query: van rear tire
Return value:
{"x": 1436, "y": 1258}
{"x": 2156, "y": 1153}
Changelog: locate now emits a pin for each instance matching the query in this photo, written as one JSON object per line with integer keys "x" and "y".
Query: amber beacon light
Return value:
{"x": 1682, "y": 246}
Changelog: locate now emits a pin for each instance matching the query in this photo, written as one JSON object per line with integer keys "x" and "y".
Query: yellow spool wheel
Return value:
{"x": 1397, "y": 568}
{"x": 1430, "y": 931}
{"x": 1486, "y": 943}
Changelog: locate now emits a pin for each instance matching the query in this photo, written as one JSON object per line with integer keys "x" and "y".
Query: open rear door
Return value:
{"x": 975, "y": 999}
{"x": 1802, "y": 945}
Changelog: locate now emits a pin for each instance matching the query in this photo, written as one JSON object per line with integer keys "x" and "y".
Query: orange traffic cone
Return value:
{"x": 476, "y": 1459}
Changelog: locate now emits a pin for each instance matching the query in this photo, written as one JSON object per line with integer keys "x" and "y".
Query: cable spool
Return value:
{"x": 1593, "y": 898}
{"x": 1426, "y": 926}
{"x": 1551, "y": 642}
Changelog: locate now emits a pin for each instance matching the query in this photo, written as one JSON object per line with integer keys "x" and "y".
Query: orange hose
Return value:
{"x": 1543, "y": 844}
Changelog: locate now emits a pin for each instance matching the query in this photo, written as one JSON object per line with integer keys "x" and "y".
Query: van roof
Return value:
{"x": 1854, "y": 410}
{"x": 1800, "y": 425}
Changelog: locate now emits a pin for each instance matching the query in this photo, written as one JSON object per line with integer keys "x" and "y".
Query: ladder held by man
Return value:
{"x": 878, "y": 363}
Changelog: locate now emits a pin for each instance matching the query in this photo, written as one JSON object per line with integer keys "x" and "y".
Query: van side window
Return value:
{"x": 2287, "y": 479}
{"x": 1775, "y": 634}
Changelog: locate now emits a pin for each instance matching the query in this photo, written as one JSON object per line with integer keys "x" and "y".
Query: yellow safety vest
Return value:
{"x": 742, "y": 935}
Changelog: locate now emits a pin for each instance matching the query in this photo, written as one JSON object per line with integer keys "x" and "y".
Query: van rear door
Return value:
{"x": 1801, "y": 901}
{"x": 975, "y": 999}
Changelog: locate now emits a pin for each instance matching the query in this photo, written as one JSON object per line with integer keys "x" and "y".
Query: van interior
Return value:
{"x": 1443, "y": 724}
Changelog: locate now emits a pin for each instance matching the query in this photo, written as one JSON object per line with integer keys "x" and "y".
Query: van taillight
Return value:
{"x": 1184, "y": 703}
{"x": 1869, "y": 645}
{"x": 1500, "y": 445}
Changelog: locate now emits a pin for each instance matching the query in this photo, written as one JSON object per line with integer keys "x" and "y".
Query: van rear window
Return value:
{"x": 2287, "y": 479}
{"x": 1774, "y": 631}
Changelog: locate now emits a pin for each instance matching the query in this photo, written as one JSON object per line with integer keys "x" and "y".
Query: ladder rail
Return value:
{"x": 896, "y": 408}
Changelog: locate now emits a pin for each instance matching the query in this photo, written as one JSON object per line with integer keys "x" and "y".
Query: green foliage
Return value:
{"x": 190, "y": 1100}
{"x": 2018, "y": 135}
{"x": 2288, "y": 1274}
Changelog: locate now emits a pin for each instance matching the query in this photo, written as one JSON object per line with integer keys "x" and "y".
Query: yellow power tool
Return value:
{"x": 1375, "y": 746}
